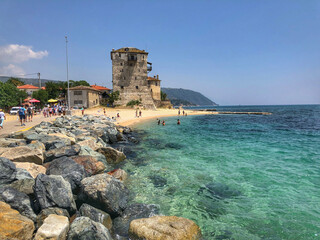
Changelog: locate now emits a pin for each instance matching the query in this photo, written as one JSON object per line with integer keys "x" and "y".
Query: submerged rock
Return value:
{"x": 54, "y": 227}
{"x": 219, "y": 191}
{"x": 7, "y": 171}
{"x": 13, "y": 225}
{"x": 158, "y": 181}
{"x": 54, "y": 191}
{"x": 17, "y": 200}
{"x": 96, "y": 215}
{"x": 174, "y": 145}
{"x": 105, "y": 192}
{"x": 69, "y": 170}
{"x": 134, "y": 211}
{"x": 164, "y": 227}
{"x": 83, "y": 228}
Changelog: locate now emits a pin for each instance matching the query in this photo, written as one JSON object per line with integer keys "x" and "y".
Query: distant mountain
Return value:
{"x": 179, "y": 96}
{"x": 32, "y": 81}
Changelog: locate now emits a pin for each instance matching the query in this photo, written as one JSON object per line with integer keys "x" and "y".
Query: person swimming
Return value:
{"x": 159, "y": 121}
{"x": 163, "y": 123}
{"x": 178, "y": 122}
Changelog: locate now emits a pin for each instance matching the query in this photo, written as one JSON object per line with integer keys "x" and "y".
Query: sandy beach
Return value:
{"x": 127, "y": 117}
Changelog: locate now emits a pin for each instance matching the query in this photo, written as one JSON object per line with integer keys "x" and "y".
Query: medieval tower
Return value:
{"x": 130, "y": 76}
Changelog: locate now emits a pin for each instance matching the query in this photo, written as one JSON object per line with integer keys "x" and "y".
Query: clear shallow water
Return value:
{"x": 236, "y": 176}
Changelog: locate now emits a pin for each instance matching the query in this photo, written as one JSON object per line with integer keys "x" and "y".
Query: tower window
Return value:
{"x": 122, "y": 87}
{"x": 120, "y": 55}
{"x": 156, "y": 84}
{"x": 121, "y": 64}
{"x": 137, "y": 87}
{"x": 124, "y": 78}
{"x": 135, "y": 78}
{"x": 131, "y": 64}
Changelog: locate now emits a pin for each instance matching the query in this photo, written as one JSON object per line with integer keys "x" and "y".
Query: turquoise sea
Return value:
{"x": 236, "y": 176}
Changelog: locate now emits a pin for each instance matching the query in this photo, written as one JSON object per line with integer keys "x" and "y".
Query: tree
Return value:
{"x": 10, "y": 96}
{"x": 114, "y": 96}
{"x": 54, "y": 89}
{"x": 15, "y": 81}
{"x": 163, "y": 96}
{"x": 42, "y": 96}
{"x": 73, "y": 83}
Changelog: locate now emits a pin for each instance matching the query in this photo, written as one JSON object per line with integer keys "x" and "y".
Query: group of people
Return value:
{"x": 25, "y": 114}
{"x": 164, "y": 123}
{"x": 183, "y": 113}
{"x": 138, "y": 113}
{"x": 49, "y": 111}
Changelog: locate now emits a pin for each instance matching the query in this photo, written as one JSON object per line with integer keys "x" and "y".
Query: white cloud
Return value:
{"x": 15, "y": 53}
{"x": 11, "y": 70}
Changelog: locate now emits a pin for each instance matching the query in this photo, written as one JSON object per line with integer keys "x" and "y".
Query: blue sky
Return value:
{"x": 234, "y": 52}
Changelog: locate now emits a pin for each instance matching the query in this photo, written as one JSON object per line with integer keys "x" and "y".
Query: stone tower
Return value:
{"x": 130, "y": 76}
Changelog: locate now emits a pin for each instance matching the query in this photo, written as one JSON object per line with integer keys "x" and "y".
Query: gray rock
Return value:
{"x": 87, "y": 151}
{"x": 83, "y": 228}
{"x": 135, "y": 211}
{"x": 112, "y": 155}
{"x": 67, "y": 151}
{"x": 22, "y": 154}
{"x": 7, "y": 171}
{"x": 105, "y": 192}
{"x": 24, "y": 185}
{"x": 96, "y": 215}
{"x": 11, "y": 142}
{"x": 23, "y": 174}
{"x": 54, "y": 191}
{"x": 17, "y": 200}
{"x": 112, "y": 134}
{"x": 69, "y": 170}
{"x": 52, "y": 210}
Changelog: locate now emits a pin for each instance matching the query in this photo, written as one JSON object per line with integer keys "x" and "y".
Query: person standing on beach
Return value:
{"x": 140, "y": 113}
{"x": 22, "y": 115}
{"x": 2, "y": 118}
{"x": 29, "y": 114}
{"x": 179, "y": 112}
{"x": 183, "y": 113}
{"x": 82, "y": 110}
{"x": 104, "y": 111}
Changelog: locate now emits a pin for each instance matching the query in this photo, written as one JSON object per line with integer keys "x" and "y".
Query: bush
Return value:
{"x": 133, "y": 103}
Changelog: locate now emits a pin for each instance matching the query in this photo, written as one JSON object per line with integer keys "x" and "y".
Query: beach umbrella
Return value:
{"x": 34, "y": 101}
{"x": 52, "y": 100}
{"x": 26, "y": 100}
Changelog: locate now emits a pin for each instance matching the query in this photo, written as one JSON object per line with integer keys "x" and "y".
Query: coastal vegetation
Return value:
{"x": 133, "y": 103}
{"x": 10, "y": 95}
{"x": 42, "y": 96}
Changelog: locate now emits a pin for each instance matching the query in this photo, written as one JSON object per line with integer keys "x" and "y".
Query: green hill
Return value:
{"x": 179, "y": 96}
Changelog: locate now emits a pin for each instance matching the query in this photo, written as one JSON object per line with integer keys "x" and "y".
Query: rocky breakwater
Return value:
{"x": 62, "y": 180}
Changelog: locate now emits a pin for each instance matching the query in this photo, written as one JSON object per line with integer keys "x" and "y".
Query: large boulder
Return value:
{"x": 54, "y": 191}
{"x": 13, "y": 225}
{"x": 164, "y": 227}
{"x": 48, "y": 211}
{"x": 22, "y": 174}
{"x": 67, "y": 151}
{"x": 96, "y": 215}
{"x": 54, "y": 227}
{"x": 83, "y": 228}
{"x": 24, "y": 185}
{"x": 92, "y": 143}
{"x": 7, "y": 171}
{"x": 22, "y": 154}
{"x": 87, "y": 151}
{"x": 32, "y": 168}
{"x": 35, "y": 144}
{"x": 69, "y": 170}
{"x": 112, "y": 155}
{"x": 105, "y": 192}
{"x": 11, "y": 142}
{"x": 90, "y": 164}
{"x": 132, "y": 212}
{"x": 17, "y": 200}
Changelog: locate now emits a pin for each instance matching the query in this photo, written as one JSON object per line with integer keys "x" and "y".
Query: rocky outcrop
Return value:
{"x": 87, "y": 151}
{"x": 32, "y": 168}
{"x": 119, "y": 174}
{"x": 132, "y": 212}
{"x": 54, "y": 191}
{"x": 96, "y": 215}
{"x": 11, "y": 142}
{"x": 48, "y": 211}
{"x": 92, "y": 143}
{"x": 22, "y": 154}
{"x": 90, "y": 164}
{"x": 105, "y": 192}
{"x": 164, "y": 227}
{"x": 112, "y": 155}
{"x": 67, "y": 151}
{"x": 13, "y": 225}
{"x": 69, "y": 170}
{"x": 7, "y": 171}
{"x": 83, "y": 228}
{"x": 22, "y": 174}
{"x": 37, "y": 145}
{"x": 54, "y": 227}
